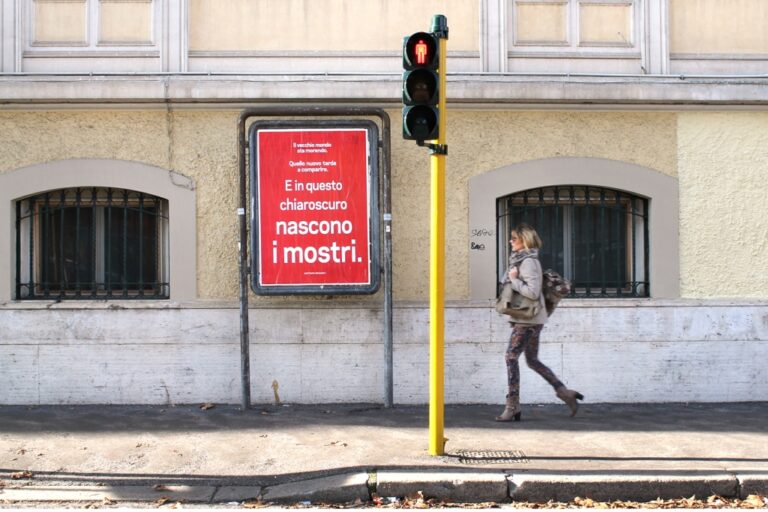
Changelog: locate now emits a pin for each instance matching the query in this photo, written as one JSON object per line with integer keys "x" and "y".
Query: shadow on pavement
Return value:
{"x": 672, "y": 417}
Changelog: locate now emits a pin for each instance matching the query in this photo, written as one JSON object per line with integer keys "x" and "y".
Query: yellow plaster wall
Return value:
{"x": 43, "y": 136}
{"x": 481, "y": 141}
{"x": 723, "y": 188}
{"x": 201, "y": 144}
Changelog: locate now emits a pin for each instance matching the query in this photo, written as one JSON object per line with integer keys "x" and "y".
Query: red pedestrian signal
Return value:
{"x": 420, "y": 50}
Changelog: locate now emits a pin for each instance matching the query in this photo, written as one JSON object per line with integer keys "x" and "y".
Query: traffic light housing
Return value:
{"x": 421, "y": 86}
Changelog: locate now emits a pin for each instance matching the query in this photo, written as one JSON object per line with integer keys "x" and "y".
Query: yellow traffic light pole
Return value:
{"x": 437, "y": 261}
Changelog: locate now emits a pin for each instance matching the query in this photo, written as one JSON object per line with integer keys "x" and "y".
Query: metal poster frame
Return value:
{"x": 372, "y": 251}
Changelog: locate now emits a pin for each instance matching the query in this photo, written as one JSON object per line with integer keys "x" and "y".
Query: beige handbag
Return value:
{"x": 515, "y": 305}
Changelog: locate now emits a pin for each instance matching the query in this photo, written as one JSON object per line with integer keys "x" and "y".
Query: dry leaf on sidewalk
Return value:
{"x": 754, "y": 501}
{"x": 258, "y": 504}
{"x": 207, "y": 406}
{"x": 21, "y": 474}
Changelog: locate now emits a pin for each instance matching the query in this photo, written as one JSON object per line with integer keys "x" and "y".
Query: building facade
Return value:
{"x": 632, "y": 133}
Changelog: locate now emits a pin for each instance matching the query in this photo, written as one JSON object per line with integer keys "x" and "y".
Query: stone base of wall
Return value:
{"x": 611, "y": 351}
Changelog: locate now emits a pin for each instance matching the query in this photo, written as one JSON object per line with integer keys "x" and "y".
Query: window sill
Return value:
{"x": 375, "y": 303}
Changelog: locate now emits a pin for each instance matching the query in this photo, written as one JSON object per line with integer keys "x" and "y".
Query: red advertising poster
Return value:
{"x": 313, "y": 207}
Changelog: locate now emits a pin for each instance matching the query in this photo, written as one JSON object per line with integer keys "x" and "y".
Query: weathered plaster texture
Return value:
{"x": 612, "y": 351}
{"x": 203, "y": 146}
{"x": 481, "y": 141}
{"x": 723, "y": 168}
{"x": 44, "y": 136}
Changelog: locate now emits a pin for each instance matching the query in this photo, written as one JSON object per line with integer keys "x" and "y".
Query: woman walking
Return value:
{"x": 525, "y": 274}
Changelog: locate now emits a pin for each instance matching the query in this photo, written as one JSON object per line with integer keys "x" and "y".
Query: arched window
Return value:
{"x": 597, "y": 237}
{"x": 655, "y": 229}
{"x": 92, "y": 243}
{"x": 140, "y": 191}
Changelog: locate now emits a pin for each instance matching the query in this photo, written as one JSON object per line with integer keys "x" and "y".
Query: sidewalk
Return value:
{"x": 342, "y": 453}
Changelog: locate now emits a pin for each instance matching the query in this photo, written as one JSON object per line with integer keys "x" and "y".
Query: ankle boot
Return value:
{"x": 570, "y": 397}
{"x": 511, "y": 411}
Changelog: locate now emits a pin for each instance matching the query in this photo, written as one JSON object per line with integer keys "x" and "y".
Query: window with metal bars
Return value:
{"x": 92, "y": 243}
{"x": 596, "y": 237}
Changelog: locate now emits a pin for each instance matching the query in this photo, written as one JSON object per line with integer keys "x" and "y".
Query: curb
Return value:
{"x": 753, "y": 483}
{"x": 448, "y": 486}
{"x": 341, "y": 488}
{"x": 565, "y": 488}
{"x": 458, "y": 487}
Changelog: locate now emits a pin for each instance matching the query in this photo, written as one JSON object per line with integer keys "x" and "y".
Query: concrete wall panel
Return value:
{"x": 19, "y": 368}
{"x": 649, "y": 352}
{"x": 136, "y": 373}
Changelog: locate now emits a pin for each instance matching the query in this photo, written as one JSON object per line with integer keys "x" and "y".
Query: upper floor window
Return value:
{"x": 92, "y": 243}
{"x": 597, "y": 237}
{"x": 91, "y": 35}
{"x": 92, "y": 23}
{"x": 575, "y": 23}
{"x": 575, "y": 36}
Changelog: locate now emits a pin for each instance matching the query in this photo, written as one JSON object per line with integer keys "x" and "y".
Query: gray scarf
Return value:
{"x": 516, "y": 258}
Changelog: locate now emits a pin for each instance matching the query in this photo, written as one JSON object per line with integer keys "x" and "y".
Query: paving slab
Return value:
{"x": 631, "y": 450}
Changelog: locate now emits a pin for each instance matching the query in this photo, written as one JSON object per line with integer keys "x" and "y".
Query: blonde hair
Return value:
{"x": 528, "y": 236}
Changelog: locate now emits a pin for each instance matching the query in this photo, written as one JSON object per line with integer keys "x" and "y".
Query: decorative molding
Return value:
{"x": 481, "y": 90}
{"x": 315, "y": 54}
{"x": 720, "y": 56}
{"x": 89, "y": 53}
{"x": 634, "y": 54}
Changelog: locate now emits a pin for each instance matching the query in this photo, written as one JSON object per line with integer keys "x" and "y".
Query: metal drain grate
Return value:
{"x": 492, "y": 457}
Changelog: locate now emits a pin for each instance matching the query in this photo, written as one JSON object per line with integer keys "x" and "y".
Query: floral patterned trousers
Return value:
{"x": 525, "y": 338}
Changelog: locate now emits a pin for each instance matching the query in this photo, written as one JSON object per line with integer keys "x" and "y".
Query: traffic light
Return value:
{"x": 421, "y": 86}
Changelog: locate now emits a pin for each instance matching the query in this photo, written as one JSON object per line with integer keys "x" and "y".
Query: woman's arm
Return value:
{"x": 529, "y": 280}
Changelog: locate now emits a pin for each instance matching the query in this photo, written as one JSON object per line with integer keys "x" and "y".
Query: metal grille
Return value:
{"x": 597, "y": 237}
{"x": 492, "y": 457}
{"x": 91, "y": 243}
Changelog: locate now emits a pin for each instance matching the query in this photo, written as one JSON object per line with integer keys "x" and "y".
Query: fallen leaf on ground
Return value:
{"x": 21, "y": 474}
{"x": 207, "y": 406}
{"x": 754, "y": 501}
{"x": 257, "y": 504}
